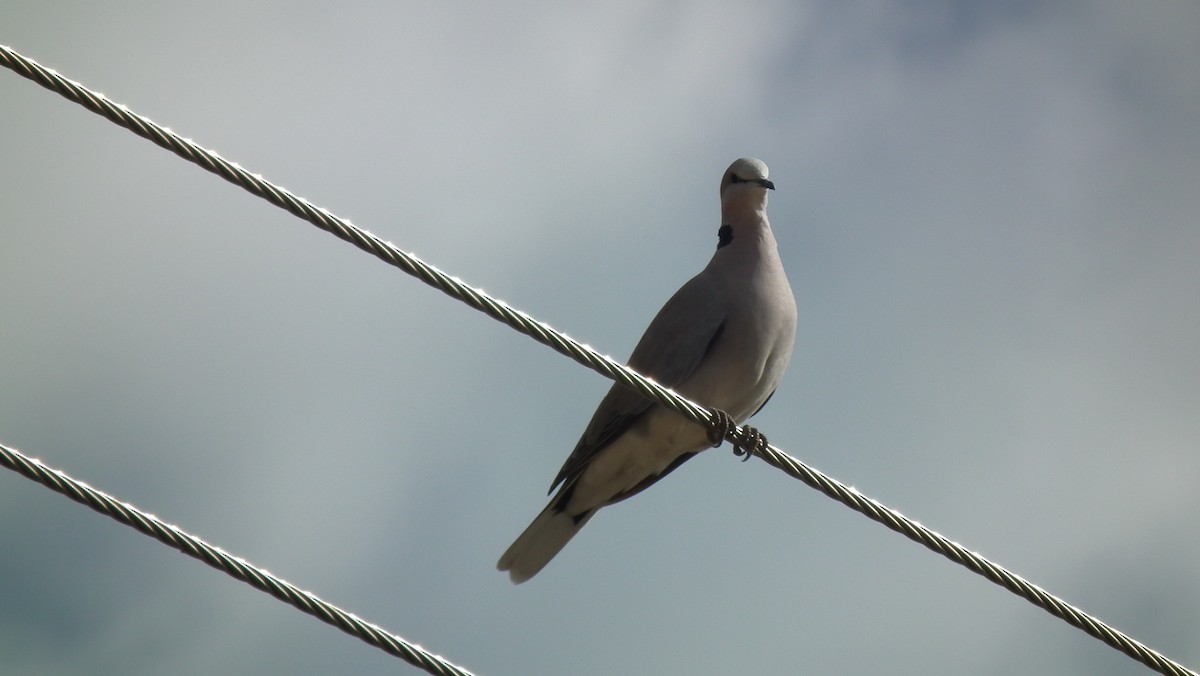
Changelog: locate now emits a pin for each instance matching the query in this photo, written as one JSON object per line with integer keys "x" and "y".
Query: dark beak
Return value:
{"x": 765, "y": 183}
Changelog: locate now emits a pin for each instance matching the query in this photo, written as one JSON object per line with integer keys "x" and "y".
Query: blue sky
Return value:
{"x": 988, "y": 217}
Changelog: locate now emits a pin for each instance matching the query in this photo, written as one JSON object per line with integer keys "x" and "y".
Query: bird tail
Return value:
{"x": 541, "y": 541}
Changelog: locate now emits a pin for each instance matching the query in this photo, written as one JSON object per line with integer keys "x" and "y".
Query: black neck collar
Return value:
{"x": 724, "y": 235}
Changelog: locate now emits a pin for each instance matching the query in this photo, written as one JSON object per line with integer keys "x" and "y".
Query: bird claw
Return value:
{"x": 757, "y": 442}
{"x": 723, "y": 424}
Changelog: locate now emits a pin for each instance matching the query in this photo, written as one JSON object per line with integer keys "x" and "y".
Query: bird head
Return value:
{"x": 746, "y": 175}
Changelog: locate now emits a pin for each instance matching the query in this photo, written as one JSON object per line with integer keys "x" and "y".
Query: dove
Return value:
{"x": 723, "y": 340}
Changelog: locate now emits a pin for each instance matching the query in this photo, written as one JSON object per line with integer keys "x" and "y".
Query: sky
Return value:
{"x": 987, "y": 212}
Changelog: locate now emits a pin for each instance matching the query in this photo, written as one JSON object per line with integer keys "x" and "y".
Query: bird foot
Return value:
{"x": 723, "y": 424}
{"x": 757, "y": 442}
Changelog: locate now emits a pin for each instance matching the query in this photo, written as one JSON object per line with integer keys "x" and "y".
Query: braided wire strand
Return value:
{"x": 976, "y": 563}
{"x": 346, "y": 231}
{"x": 256, "y": 577}
{"x": 547, "y": 335}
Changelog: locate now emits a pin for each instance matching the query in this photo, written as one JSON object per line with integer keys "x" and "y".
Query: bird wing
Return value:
{"x": 674, "y": 344}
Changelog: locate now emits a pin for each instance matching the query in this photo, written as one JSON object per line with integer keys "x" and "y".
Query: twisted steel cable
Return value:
{"x": 252, "y": 575}
{"x": 586, "y": 356}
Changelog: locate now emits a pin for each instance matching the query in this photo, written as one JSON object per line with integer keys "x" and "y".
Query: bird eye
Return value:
{"x": 733, "y": 178}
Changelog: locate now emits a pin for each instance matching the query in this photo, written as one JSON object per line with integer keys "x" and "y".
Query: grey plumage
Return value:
{"x": 723, "y": 340}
